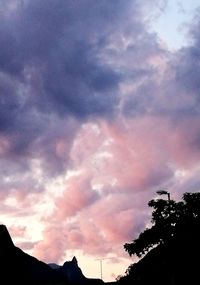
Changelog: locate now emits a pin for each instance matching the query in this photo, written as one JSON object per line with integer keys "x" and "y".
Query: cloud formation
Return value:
{"x": 96, "y": 114}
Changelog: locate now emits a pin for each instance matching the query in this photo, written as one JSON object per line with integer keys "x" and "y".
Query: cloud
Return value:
{"x": 17, "y": 231}
{"x": 96, "y": 114}
{"x": 53, "y": 240}
{"x": 58, "y": 55}
{"x": 78, "y": 196}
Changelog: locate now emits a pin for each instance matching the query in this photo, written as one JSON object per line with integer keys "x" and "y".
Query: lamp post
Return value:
{"x": 163, "y": 192}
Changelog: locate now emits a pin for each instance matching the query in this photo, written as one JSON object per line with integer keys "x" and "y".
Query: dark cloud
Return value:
{"x": 61, "y": 42}
{"x": 188, "y": 69}
{"x": 51, "y": 62}
{"x": 62, "y": 62}
{"x": 171, "y": 90}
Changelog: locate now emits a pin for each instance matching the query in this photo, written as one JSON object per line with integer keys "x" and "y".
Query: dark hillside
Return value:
{"x": 17, "y": 267}
{"x": 21, "y": 268}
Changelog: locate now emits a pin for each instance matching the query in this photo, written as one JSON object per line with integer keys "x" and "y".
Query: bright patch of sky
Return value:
{"x": 170, "y": 24}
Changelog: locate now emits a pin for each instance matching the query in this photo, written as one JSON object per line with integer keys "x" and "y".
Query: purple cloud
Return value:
{"x": 96, "y": 114}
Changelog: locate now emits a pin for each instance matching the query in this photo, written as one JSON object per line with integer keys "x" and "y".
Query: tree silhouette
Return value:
{"x": 170, "y": 220}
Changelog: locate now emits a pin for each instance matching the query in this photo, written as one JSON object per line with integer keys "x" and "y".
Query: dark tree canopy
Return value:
{"x": 169, "y": 220}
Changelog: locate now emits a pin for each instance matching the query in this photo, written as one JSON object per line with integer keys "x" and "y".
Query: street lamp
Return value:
{"x": 163, "y": 192}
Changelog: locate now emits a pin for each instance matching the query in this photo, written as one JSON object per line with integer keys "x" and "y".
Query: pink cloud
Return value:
{"x": 137, "y": 160}
{"x": 99, "y": 228}
{"x": 26, "y": 245}
{"x": 117, "y": 227}
{"x": 76, "y": 197}
{"x": 130, "y": 161}
{"x": 18, "y": 231}
{"x": 51, "y": 249}
{"x": 184, "y": 144}
{"x": 137, "y": 157}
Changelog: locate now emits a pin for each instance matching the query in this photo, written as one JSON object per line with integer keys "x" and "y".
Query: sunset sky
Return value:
{"x": 99, "y": 109}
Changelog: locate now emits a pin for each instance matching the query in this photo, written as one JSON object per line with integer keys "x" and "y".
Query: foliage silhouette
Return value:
{"x": 169, "y": 219}
{"x": 170, "y": 249}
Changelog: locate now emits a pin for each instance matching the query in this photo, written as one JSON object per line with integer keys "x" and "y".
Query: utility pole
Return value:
{"x": 101, "y": 265}
{"x": 101, "y": 270}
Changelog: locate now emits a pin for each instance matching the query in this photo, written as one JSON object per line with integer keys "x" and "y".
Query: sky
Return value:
{"x": 99, "y": 109}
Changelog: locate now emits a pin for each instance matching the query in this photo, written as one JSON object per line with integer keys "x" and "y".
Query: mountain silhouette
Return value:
{"x": 17, "y": 267}
{"x": 73, "y": 273}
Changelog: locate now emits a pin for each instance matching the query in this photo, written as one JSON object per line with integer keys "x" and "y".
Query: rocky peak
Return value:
{"x": 6, "y": 242}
